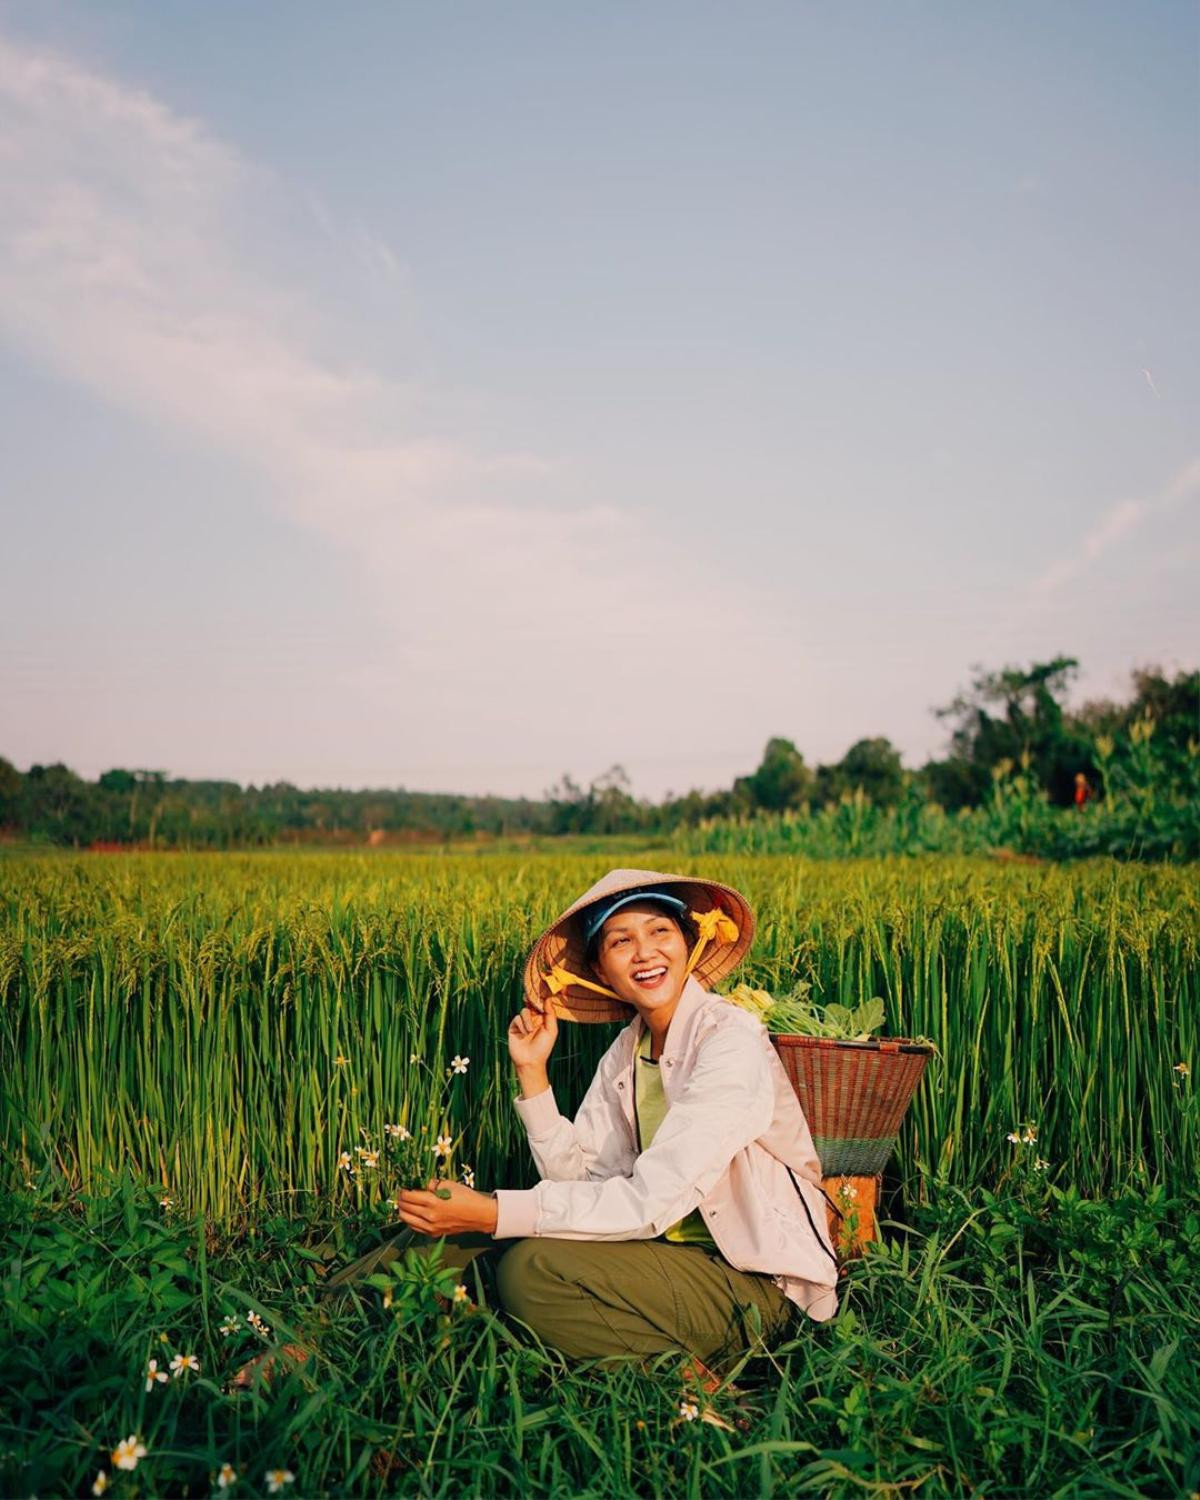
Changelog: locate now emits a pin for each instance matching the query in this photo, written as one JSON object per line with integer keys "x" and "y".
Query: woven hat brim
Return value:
{"x": 562, "y": 944}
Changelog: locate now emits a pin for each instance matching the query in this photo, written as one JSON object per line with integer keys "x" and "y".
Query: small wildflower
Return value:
{"x": 412, "y": 1057}
{"x": 1014, "y": 1137}
{"x": 345, "y": 1163}
{"x": 1040, "y": 1164}
{"x": 167, "y": 1202}
{"x": 1182, "y": 1069}
{"x": 460, "y": 1293}
{"x": 1028, "y": 1136}
{"x": 341, "y": 1061}
{"x": 400, "y": 1132}
{"x": 368, "y": 1158}
{"x": 277, "y": 1478}
{"x": 387, "y": 1298}
{"x": 183, "y": 1362}
{"x": 226, "y": 1477}
{"x": 847, "y": 1192}
{"x": 127, "y": 1452}
{"x": 468, "y": 1176}
{"x": 258, "y": 1325}
{"x": 640, "y": 1425}
{"x": 163, "y": 1339}
{"x": 689, "y": 1411}
{"x": 444, "y": 1146}
{"x": 230, "y": 1326}
{"x": 100, "y": 1483}
{"x": 459, "y": 1065}
{"x": 153, "y": 1374}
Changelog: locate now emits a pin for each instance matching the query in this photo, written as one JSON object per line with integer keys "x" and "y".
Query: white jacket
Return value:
{"x": 732, "y": 1130}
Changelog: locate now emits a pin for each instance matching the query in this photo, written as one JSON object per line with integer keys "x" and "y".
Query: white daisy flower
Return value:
{"x": 277, "y": 1478}
{"x": 127, "y": 1452}
{"x": 444, "y": 1146}
{"x": 459, "y": 1065}
{"x": 689, "y": 1411}
{"x": 183, "y": 1362}
{"x": 153, "y": 1374}
{"x": 100, "y": 1483}
{"x": 226, "y": 1477}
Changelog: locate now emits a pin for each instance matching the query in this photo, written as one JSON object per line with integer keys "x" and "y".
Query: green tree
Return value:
{"x": 874, "y": 765}
{"x": 782, "y": 780}
{"x": 60, "y": 805}
{"x": 1006, "y": 715}
{"x": 11, "y": 783}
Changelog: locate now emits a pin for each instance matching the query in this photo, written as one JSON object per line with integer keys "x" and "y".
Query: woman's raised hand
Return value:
{"x": 531, "y": 1037}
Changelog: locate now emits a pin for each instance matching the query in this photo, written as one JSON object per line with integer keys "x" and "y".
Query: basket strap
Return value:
{"x": 808, "y": 1213}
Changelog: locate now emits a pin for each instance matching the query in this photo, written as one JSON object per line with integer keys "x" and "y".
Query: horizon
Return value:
{"x": 1073, "y": 703}
{"x": 570, "y": 391}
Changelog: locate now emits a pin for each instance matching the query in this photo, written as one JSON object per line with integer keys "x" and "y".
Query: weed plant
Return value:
{"x": 1027, "y": 1341}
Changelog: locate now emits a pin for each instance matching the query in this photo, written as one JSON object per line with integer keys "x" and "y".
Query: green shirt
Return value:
{"x": 650, "y": 1105}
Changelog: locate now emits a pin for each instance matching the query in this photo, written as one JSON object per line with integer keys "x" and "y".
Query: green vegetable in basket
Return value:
{"x": 796, "y": 1015}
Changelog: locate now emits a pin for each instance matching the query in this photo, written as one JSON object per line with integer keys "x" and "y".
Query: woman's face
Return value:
{"x": 642, "y": 956}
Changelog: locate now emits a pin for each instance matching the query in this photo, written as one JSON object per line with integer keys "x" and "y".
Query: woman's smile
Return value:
{"x": 642, "y": 956}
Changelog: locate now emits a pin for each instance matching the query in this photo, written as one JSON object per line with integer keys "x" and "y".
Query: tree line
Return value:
{"x": 1016, "y": 716}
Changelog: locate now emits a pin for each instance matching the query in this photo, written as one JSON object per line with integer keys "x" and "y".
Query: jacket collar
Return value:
{"x": 679, "y": 1033}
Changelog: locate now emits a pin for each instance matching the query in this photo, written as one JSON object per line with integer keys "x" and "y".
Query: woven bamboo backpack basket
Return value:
{"x": 853, "y": 1095}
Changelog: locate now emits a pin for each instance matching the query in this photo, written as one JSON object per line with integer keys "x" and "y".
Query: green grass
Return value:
{"x": 184, "y": 1015}
{"x": 1027, "y": 1343}
{"x": 174, "y": 1024}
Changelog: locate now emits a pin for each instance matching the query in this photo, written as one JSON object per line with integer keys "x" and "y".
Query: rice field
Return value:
{"x": 194, "y": 1049}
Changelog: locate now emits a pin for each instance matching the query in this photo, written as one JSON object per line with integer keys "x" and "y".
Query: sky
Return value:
{"x": 452, "y": 397}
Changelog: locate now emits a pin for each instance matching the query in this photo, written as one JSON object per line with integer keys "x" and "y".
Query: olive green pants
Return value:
{"x": 592, "y": 1298}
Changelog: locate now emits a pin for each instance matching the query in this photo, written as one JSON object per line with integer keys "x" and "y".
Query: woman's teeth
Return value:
{"x": 645, "y": 976}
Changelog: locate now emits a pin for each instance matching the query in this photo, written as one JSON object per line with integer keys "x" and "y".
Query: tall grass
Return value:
{"x": 184, "y": 1016}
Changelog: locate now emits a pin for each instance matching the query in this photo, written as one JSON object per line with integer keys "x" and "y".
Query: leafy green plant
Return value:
{"x": 796, "y": 1015}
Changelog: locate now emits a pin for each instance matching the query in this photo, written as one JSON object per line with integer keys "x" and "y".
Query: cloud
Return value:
{"x": 135, "y": 249}
{"x": 1118, "y": 522}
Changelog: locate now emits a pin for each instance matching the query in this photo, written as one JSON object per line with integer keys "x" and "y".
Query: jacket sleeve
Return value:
{"x": 727, "y": 1103}
{"x": 596, "y": 1145}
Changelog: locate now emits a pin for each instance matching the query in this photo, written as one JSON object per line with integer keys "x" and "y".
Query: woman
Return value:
{"x": 682, "y": 1207}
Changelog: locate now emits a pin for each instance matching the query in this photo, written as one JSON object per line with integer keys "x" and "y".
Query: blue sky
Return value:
{"x": 454, "y": 396}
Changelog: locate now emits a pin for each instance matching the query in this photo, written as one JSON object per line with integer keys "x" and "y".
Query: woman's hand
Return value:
{"x": 531, "y": 1037}
{"x": 461, "y": 1212}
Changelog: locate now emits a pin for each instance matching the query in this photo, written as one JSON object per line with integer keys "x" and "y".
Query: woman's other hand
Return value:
{"x": 461, "y": 1211}
{"x": 531, "y": 1038}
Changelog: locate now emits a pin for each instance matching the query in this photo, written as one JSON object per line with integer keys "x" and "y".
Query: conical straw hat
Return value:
{"x": 561, "y": 947}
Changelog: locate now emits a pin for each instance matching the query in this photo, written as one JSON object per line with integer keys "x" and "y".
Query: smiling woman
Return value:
{"x": 681, "y": 1208}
